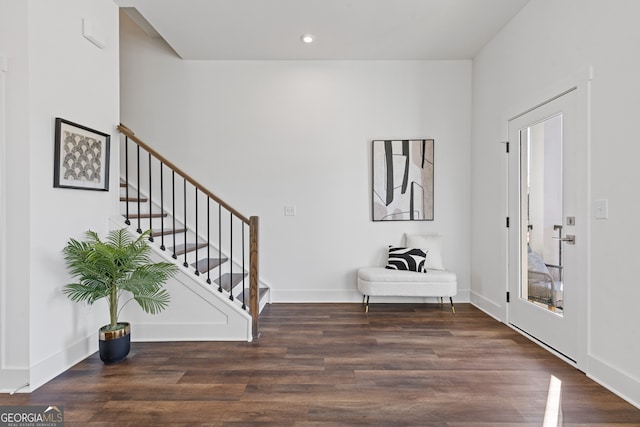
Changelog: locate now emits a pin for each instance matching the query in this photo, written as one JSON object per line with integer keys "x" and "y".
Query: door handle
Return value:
{"x": 569, "y": 238}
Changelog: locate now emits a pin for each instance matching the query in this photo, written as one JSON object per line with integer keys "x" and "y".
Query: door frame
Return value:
{"x": 581, "y": 81}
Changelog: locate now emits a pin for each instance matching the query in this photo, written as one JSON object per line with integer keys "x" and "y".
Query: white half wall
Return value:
{"x": 548, "y": 41}
{"x": 197, "y": 311}
{"x": 263, "y": 135}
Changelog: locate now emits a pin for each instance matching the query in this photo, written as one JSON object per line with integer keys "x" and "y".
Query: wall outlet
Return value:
{"x": 289, "y": 210}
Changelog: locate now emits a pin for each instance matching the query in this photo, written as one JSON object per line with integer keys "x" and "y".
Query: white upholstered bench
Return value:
{"x": 436, "y": 282}
{"x": 379, "y": 281}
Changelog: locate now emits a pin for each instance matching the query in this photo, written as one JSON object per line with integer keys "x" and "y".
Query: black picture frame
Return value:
{"x": 81, "y": 157}
{"x": 403, "y": 180}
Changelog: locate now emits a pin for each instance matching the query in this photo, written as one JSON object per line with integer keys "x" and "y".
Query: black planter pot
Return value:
{"x": 115, "y": 345}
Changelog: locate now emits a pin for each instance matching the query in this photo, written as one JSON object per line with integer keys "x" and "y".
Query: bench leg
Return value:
{"x": 366, "y": 308}
{"x": 453, "y": 309}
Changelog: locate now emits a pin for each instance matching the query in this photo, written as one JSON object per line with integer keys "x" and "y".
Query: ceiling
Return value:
{"x": 343, "y": 29}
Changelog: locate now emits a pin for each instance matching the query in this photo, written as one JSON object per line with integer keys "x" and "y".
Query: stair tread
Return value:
{"x": 166, "y": 231}
{"x": 207, "y": 264}
{"x": 133, "y": 199}
{"x": 230, "y": 280}
{"x": 189, "y": 247}
{"x": 148, "y": 215}
{"x": 261, "y": 293}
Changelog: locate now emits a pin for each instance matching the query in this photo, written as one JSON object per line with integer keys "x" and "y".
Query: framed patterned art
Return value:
{"x": 81, "y": 157}
{"x": 402, "y": 180}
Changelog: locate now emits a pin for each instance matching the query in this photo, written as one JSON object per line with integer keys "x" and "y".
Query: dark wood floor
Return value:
{"x": 332, "y": 365}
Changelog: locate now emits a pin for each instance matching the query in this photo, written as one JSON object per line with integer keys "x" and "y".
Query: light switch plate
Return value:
{"x": 601, "y": 209}
{"x": 289, "y": 210}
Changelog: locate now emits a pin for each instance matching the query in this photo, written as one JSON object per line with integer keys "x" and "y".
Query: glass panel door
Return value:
{"x": 542, "y": 213}
{"x": 545, "y": 248}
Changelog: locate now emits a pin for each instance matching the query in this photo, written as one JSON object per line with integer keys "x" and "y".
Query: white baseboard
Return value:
{"x": 488, "y": 306}
{"x": 342, "y": 296}
{"x": 615, "y": 380}
{"x": 221, "y": 331}
{"x": 54, "y": 365}
{"x": 314, "y": 295}
{"x": 463, "y": 296}
{"x": 14, "y": 380}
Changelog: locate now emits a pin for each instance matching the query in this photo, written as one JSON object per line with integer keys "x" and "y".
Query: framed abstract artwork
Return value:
{"x": 402, "y": 180}
{"x": 81, "y": 157}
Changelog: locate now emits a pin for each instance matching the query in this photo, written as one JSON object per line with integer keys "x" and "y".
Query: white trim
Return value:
{"x": 210, "y": 331}
{"x": 545, "y": 102}
{"x": 47, "y": 369}
{"x": 90, "y": 33}
{"x": 581, "y": 81}
{"x": 14, "y": 380}
{"x": 626, "y": 385}
{"x": 488, "y": 306}
{"x": 342, "y": 296}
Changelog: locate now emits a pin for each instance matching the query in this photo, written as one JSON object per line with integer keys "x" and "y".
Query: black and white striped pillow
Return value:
{"x": 410, "y": 259}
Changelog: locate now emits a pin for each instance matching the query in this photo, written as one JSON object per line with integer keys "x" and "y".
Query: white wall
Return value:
{"x": 3, "y": 204}
{"x": 53, "y": 71}
{"x": 265, "y": 134}
{"x": 547, "y": 42}
{"x": 14, "y": 324}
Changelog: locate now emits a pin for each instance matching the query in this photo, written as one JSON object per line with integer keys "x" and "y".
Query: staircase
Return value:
{"x": 199, "y": 231}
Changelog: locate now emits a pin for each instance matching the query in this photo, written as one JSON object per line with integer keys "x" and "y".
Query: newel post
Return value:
{"x": 254, "y": 304}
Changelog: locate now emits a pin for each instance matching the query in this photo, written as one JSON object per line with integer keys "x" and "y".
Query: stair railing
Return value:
{"x": 193, "y": 218}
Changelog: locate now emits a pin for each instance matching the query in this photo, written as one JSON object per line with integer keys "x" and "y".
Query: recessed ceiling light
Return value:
{"x": 307, "y": 38}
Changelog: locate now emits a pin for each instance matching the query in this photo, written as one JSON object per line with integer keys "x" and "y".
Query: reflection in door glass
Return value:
{"x": 541, "y": 192}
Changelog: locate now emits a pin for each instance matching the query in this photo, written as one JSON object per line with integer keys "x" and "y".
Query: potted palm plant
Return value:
{"x": 116, "y": 269}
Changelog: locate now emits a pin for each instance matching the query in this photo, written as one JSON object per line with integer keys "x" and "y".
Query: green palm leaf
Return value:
{"x": 120, "y": 263}
{"x": 153, "y": 302}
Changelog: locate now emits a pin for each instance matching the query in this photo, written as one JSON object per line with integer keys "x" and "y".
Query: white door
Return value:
{"x": 547, "y": 226}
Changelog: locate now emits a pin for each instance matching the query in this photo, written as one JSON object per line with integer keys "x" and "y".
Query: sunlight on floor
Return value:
{"x": 552, "y": 414}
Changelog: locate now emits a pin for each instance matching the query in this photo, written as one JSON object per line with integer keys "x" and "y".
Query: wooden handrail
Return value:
{"x": 129, "y": 133}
